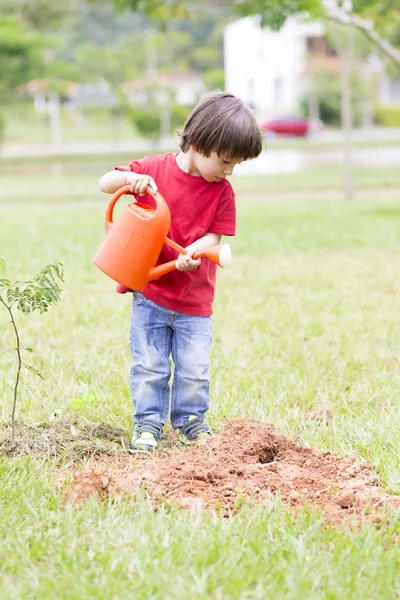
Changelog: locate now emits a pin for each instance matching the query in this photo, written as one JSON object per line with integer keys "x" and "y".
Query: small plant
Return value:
{"x": 37, "y": 293}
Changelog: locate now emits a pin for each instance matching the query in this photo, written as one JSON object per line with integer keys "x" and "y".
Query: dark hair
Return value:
{"x": 222, "y": 123}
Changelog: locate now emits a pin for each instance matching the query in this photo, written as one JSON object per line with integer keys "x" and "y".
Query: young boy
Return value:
{"x": 173, "y": 314}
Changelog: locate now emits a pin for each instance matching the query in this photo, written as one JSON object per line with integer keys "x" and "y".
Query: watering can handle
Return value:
{"x": 220, "y": 255}
{"x": 126, "y": 189}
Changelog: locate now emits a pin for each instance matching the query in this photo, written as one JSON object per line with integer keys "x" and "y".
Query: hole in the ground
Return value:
{"x": 267, "y": 455}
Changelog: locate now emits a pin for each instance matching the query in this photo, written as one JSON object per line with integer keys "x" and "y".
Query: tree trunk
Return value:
{"x": 346, "y": 112}
{"x": 55, "y": 119}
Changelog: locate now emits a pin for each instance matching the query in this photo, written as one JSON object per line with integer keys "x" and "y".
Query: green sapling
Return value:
{"x": 36, "y": 293}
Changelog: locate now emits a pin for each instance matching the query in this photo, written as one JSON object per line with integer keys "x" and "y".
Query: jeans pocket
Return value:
{"x": 139, "y": 299}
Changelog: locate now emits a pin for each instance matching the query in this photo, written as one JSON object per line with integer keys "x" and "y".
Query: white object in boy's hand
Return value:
{"x": 225, "y": 255}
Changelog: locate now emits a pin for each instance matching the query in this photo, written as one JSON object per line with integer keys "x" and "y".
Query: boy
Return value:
{"x": 173, "y": 314}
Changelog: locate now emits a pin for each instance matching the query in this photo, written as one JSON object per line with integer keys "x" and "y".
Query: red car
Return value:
{"x": 295, "y": 126}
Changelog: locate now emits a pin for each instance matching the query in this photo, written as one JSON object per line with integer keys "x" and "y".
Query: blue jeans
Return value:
{"x": 156, "y": 333}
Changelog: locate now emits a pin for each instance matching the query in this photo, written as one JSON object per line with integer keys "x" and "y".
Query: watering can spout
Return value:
{"x": 220, "y": 254}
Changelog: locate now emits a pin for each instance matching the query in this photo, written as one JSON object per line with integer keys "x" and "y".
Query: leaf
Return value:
{"x": 33, "y": 370}
{"x": 10, "y": 295}
{"x": 3, "y": 263}
{"x": 24, "y": 306}
{"x": 39, "y": 292}
{"x": 28, "y": 348}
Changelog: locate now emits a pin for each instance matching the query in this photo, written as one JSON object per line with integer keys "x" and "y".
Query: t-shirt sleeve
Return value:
{"x": 136, "y": 166}
{"x": 224, "y": 221}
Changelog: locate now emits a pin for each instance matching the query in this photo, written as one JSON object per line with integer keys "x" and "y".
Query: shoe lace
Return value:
{"x": 149, "y": 426}
{"x": 193, "y": 428}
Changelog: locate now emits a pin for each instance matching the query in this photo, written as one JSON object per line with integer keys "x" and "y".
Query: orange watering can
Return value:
{"x": 133, "y": 244}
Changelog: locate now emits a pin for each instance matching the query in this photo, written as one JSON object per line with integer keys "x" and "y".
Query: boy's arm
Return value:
{"x": 185, "y": 262}
{"x": 208, "y": 240}
{"x": 114, "y": 180}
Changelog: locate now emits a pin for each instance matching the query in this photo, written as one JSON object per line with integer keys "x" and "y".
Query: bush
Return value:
{"x": 96, "y": 112}
{"x": 387, "y": 115}
{"x": 215, "y": 79}
{"x": 146, "y": 119}
{"x": 179, "y": 115}
{"x": 329, "y": 107}
{"x": 328, "y": 90}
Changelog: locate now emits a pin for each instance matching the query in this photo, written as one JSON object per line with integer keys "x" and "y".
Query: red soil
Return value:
{"x": 247, "y": 460}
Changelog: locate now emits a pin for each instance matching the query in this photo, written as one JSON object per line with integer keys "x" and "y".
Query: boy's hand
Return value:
{"x": 185, "y": 262}
{"x": 139, "y": 183}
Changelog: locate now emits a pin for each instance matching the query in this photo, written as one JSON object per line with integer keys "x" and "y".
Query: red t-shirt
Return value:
{"x": 197, "y": 207}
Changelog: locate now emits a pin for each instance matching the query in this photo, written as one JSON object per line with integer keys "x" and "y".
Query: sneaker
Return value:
{"x": 146, "y": 436}
{"x": 195, "y": 430}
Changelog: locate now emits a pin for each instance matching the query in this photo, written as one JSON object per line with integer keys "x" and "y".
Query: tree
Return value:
{"x": 21, "y": 55}
{"x": 38, "y": 14}
{"x": 378, "y": 21}
{"x": 370, "y": 17}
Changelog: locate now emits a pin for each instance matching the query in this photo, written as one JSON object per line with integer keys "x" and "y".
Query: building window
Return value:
{"x": 319, "y": 46}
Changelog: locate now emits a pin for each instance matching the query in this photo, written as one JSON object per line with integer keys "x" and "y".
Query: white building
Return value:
{"x": 266, "y": 68}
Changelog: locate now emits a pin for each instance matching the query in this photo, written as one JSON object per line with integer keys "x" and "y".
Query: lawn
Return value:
{"x": 306, "y": 318}
{"x": 25, "y": 126}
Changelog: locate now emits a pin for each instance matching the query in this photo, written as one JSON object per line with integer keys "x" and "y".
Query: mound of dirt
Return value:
{"x": 248, "y": 461}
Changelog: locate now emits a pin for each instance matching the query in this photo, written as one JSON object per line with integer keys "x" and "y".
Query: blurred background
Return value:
{"x": 101, "y": 78}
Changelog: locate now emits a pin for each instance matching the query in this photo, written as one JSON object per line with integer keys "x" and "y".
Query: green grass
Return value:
{"x": 306, "y": 317}
{"x": 127, "y": 550}
{"x": 24, "y": 126}
{"x": 75, "y": 179}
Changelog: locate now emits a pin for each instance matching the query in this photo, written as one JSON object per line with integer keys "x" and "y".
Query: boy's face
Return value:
{"x": 215, "y": 167}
